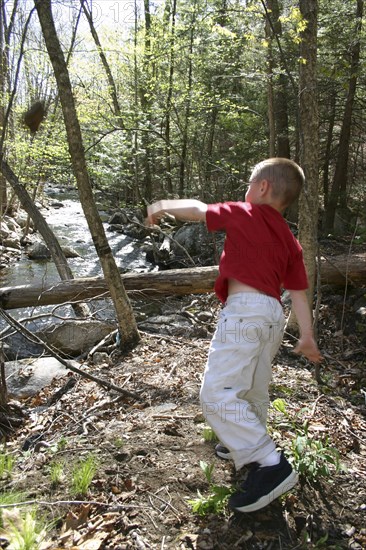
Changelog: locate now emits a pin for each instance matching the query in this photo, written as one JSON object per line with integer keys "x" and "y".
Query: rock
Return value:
{"x": 16, "y": 346}
{"x": 191, "y": 237}
{"x": 4, "y": 230}
{"x": 12, "y": 241}
{"x": 361, "y": 320}
{"x": 176, "y": 325}
{"x": 70, "y": 252}
{"x": 118, "y": 218}
{"x": 12, "y": 224}
{"x": 27, "y": 377}
{"x": 22, "y": 218}
{"x": 39, "y": 251}
{"x": 74, "y": 337}
{"x": 204, "y": 316}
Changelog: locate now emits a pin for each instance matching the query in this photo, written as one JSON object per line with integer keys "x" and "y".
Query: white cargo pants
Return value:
{"x": 234, "y": 393}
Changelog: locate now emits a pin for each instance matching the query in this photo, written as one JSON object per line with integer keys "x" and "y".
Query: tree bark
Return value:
{"x": 5, "y": 36}
{"x": 199, "y": 280}
{"x": 126, "y": 321}
{"x": 339, "y": 187}
{"x": 281, "y": 146}
{"x": 187, "y": 112}
{"x": 107, "y": 69}
{"x": 309, "y": 123}
{"x": 168, "y": 149}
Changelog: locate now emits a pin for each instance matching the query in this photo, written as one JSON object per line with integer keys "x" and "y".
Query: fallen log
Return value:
{"x": 335, "y": 270}
{"x": 197, "y": 280}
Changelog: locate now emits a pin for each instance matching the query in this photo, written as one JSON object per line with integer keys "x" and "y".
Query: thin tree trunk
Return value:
{"x": 125, "y": 317}
{"x": 339, "y": 187}
{"x": 108, "y": 72}
{"x": 5, "y": 34}
{"x": 281, "y": 116}
{"x": 270, "y": 91}
{"x": 168, "y": 151}
{"x": 308, "y": 211}
{"x": 146, "y": 105}
{"x": 328, "y": 147}
{"x": 279, "y": 102}
{"x": 187, "y": 115}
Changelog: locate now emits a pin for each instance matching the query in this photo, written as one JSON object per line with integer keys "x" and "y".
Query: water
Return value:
{"x": 71, "y": 229}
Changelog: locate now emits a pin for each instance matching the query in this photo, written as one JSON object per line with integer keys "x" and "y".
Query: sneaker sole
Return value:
{"x": 225, "y": 456}
{"x": 286, "y": 485}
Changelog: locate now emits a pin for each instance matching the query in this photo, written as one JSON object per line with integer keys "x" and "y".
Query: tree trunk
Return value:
{"x": 168, "y": 150}
{"x": 328, "y": 147}
{"x": 187, "y": 114}
{"x": 124, "y": 313}
{"x": 336, "y": 271}
{"x": 339, "y": 187}
{"x": 107, "y": 69}
{"x": 281, "y": 147}
{"x": 308, "y": 107}
{"x": 270, "y": 93}
{"x": 5, "y": 35}
{"x": 145, "y": 98}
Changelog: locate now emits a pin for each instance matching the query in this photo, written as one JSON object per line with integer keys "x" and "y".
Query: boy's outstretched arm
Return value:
{"x": 306, "y": 344}
{"x": 183, "y": 209}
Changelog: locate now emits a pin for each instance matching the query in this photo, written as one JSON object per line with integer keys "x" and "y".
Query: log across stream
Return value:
{"x": 336, "y": 270}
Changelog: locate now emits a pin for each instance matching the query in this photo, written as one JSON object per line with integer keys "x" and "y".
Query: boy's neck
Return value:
{"x": 273, "y": 204}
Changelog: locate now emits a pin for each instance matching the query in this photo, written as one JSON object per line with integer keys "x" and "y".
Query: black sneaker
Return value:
{"x": 263, "y": 485}
{"x": 222, "y": 452}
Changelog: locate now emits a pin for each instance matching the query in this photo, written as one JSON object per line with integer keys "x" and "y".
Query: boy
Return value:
{"x": 260, "y": 257}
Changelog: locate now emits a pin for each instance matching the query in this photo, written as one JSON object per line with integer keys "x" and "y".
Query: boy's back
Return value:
{"x": 260, "y": 251}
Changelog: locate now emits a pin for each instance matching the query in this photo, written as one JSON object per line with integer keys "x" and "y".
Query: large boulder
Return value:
{"x": 17, "y": 346}
{"x": 74, "y": 337}
{"x": 27, "y": 377}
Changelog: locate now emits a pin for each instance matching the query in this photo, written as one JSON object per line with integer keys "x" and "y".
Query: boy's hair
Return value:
{"x": 285, "y": 176}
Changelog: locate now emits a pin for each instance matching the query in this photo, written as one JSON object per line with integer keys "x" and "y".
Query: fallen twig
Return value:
{"x": 113, "y": 506}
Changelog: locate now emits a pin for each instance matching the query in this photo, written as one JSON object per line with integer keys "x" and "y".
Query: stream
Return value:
{"x": 65, "y": 216}
{"x": 70, "y": 227}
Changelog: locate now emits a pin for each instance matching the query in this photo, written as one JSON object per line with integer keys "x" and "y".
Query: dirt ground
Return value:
{"x": 148, "y": 451}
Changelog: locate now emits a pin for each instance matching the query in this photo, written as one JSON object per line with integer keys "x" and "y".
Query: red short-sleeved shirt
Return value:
{"x": 259, "y": 251}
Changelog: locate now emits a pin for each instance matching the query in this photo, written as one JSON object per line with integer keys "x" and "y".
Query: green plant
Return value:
{"x": 6, "y": 464}
{"x": 314, "y": 458}
{"x": 57, "y": 472}
{"x": 62, "y": 444}
{"x": 207, "y": 469}
{"x": 22, "y": 531}
{"x": 209, "y": 434}
{"x": 215, "y": 501}
{"x": 311, "y": 457}
{"x": 118, "y": 442}
{"x": 83, "y": 474}
{"x": 10, "y": 498}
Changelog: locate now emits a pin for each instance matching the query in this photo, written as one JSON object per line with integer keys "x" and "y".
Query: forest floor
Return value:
{"x": 147, "y": 451}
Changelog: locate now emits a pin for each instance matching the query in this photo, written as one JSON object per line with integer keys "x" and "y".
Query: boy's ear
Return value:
{"x": 264, "y": 186}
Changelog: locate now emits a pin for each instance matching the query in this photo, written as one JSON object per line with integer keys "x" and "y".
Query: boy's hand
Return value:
{"x": 153, "y": 211}
{"x": 307, "y": 346}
